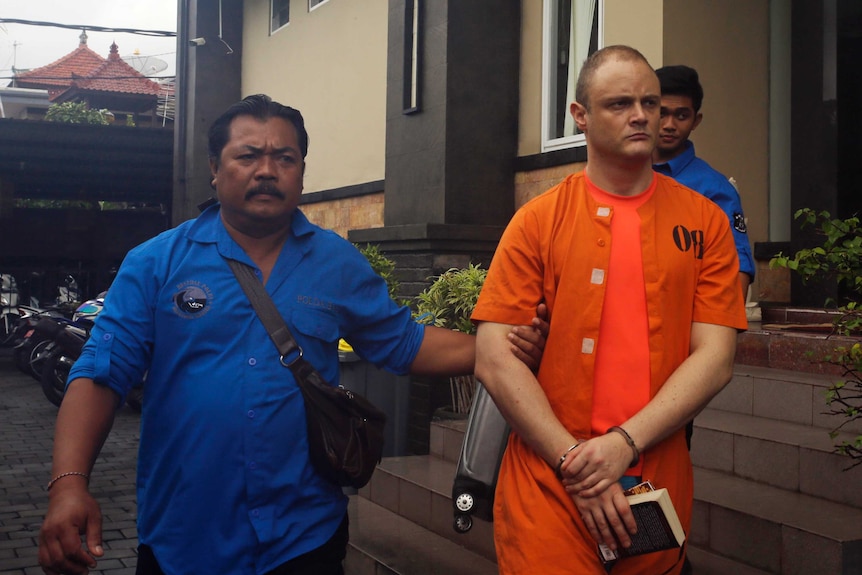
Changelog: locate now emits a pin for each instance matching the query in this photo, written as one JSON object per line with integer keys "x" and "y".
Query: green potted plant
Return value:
{"x": 448, "y": 302}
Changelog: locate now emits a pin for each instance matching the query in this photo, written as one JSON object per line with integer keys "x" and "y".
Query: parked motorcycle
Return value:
{"x": 65, "y": 340}
{"x": 28, "y": 341}
{"x": 58, "y": 358}
{"x": 9, "y": 315}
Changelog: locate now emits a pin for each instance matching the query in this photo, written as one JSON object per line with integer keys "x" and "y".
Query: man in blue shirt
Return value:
{"x": 224, "y": 480}
{"x": 681, "y": 99}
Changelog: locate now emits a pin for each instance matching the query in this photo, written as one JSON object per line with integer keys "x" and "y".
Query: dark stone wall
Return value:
{"x": 452, "y": 161}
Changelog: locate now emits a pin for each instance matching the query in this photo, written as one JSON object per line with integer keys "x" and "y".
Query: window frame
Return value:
{"x": 315, "y": 4}
{"x": 272, "y": 6}
{"x": 549, "y": 42}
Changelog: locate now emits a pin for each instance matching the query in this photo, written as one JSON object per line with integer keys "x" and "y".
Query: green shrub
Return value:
{"x": 76, "y": 113}
{"x": 383, "y": 266}
{"x": 838, "y": 258}
{"x": 449, "y": 300}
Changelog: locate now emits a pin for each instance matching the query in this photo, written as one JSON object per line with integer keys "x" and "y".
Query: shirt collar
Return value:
{"x": 676, "y": 165}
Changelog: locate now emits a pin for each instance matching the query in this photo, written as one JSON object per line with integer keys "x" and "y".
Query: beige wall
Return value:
{"x": 728, "y": 43}
{"x": 338, "y": 51}
{"x": 635, "y": 23}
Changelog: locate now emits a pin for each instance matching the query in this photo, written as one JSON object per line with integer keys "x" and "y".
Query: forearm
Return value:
{"x": 518, "y": 395}
{"x": 445, "y": 352}
{"x": 689, "y": 389}
{"x": 83, "y": 423}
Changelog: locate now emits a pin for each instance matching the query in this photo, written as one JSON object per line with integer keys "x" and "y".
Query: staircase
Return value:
{"x": 770, "y": 496}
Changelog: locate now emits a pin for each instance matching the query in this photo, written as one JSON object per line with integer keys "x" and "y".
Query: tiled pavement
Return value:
{"x": 26, "y": 436}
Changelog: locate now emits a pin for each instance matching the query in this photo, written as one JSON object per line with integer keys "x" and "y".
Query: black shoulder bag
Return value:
{"x": 345, "y": 430}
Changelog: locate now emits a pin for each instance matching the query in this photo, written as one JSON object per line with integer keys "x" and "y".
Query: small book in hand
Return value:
{"x": 658, "y": 524}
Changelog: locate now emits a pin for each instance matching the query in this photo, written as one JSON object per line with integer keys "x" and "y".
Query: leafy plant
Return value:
{"x": 76, "y": 113}
{"x": 839, "y": 257}
{"x": 448, "y": 302}
{"x": 383, "y": 266}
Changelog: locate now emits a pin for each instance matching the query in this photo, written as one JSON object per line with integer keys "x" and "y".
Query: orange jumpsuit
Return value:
{"x": 556, "y": 249}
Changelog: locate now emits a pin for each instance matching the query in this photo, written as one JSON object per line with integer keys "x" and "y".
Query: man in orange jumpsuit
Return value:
{"x": 639, "y": 275}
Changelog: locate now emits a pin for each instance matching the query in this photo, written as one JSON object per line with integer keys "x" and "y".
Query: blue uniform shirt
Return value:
{"x": 224, "y": 482}
{"x": 694, "y": 173}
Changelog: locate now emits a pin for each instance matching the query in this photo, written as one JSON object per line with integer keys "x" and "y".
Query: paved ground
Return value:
{"x": 26, "y": 436}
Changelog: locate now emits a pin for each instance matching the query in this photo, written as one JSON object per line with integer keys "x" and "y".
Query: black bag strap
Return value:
{"x": 268, "y": 313}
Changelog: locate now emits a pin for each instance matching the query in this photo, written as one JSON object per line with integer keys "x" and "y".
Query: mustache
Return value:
{"x": 264, "y": 189}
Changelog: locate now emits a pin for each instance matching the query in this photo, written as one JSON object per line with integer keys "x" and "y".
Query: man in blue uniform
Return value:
{"x": 681, "y": 99}
{"x": 224, "y": 481}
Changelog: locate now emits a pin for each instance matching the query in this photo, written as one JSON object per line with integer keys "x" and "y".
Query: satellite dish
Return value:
{"x": 146, "y": 65}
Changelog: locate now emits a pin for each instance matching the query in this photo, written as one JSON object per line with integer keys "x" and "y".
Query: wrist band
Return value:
{"x": 67, "y": 474}
{"x": 558, "y": 470}
{"x": 636, "y": 453}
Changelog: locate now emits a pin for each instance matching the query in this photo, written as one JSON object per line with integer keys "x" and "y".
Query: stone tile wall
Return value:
{"x": 356, "y": 213}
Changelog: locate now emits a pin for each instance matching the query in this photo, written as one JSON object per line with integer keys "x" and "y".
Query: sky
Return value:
{"x": 27, "y": 47}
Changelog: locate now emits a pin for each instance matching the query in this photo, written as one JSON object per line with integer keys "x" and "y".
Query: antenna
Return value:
{"x": 146, "y": 65}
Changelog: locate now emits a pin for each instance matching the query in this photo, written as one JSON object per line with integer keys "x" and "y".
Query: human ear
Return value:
{"x": 579, "y": 114}
{"x": 697, "y": 118}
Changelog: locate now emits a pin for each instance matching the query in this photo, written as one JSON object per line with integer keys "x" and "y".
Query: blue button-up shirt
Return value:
{"x": 224, "y": 481}
{"x": 694, "y": 173}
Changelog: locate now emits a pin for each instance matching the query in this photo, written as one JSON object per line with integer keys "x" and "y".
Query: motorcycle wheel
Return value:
{"x": 38, "y": 354}
{"x": 55, "y": 370}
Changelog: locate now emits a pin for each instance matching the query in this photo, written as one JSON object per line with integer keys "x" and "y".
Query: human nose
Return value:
{"x": 667, "y": 124}
{"x": 265, "y": 167}
{"x": 639, "y": 114}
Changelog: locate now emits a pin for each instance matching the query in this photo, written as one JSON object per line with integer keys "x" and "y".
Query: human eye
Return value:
{"x": 683, "y": 115}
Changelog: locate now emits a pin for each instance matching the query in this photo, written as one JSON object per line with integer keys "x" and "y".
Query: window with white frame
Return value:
{"x": 571, "y": 32}
{"x": 312, "y": 4}
{"x": 279, "y": 14}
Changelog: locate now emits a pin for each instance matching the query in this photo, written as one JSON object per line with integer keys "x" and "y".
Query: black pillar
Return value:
{"x": 450, "y": 149}
{"x": 814, "y": 133}
{"x": 208, "y": 81}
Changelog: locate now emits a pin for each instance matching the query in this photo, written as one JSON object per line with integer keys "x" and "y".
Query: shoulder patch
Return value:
{"x": 739, "y": 223}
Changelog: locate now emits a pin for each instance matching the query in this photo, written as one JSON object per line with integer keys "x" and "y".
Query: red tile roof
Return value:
{"x": 57, "y": 75}
{"x": 115, "y": 75}
{"x": 86, "y": 71}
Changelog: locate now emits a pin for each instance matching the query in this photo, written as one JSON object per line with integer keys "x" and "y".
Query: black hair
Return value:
{"x": 595, "y": 60}
{"x": 259, "y": 106}
{"x": 681, "y": 81}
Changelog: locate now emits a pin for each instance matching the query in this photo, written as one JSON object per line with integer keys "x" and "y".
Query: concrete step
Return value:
{"x": 775, "y": 530}
{"x": 705, "y": 563}
{"x": 785, "y": 395}
{"x": 384, "y": 543}
{"x": 447, "y": 435}
{"x": 419, "y": 489}
{"x": 788, "y": 455}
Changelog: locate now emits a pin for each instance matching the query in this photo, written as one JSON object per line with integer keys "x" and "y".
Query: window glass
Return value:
{"x": 572, "y": 31}
{"x": 280, "y": 14}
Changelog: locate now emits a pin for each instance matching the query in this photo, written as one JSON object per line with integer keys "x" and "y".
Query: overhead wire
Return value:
{"x": 161, "y": 33}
